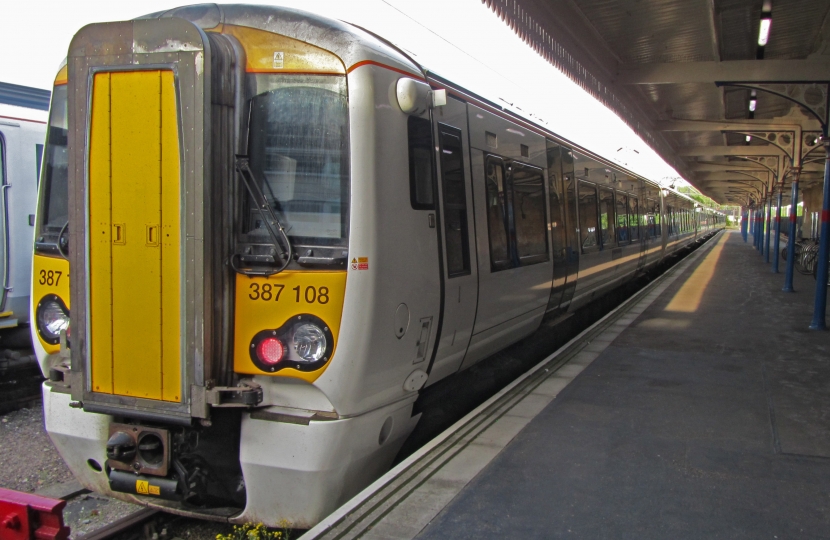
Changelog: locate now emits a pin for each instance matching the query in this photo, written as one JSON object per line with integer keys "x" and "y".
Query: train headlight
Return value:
{"x": 52, "y": 317}
{"x": 304, "y": 343}
{"x": 309, "y": 342}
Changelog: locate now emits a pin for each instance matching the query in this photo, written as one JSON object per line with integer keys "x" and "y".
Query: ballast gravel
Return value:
{"x": 28, "y": 461}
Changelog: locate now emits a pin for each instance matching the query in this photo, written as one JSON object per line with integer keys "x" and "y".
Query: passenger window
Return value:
{"x": 622, "y": 218}
{"x": 633, "y": 219}
{"x": 529, "y": 214}
{"x": 557, "y": 204}
{"x": 497, "y": 222}
{"x": 606, "y": 215}
{"x": 587, "y": 215}
{"x": 455, "y": 203}
{"x": 421, "y": 193}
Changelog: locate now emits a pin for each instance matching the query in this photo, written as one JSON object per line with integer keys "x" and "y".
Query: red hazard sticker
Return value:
{"x": 360, "y": 263}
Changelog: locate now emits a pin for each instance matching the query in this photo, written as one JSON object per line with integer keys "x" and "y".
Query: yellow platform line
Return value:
{"x": 687, "y": 299}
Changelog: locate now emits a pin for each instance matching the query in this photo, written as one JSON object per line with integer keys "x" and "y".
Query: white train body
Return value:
{"x": 414, "y": 282}
{"x": 22, "y": 133}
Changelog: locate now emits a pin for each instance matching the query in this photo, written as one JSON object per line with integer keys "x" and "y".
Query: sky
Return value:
{"x": 461, "y": 40}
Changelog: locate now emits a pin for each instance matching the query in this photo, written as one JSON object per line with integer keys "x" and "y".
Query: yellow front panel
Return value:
{"x": 134, "y": 200}
{"x": 100, "y": 238}
{"x": 267, "y": 303}
{"x": 170, "y": 242}
{"x": 50, "y": 275}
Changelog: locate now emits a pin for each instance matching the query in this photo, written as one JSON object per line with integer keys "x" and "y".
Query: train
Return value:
{"x": 280, "y": 228}
{"x": 22, "y": 134}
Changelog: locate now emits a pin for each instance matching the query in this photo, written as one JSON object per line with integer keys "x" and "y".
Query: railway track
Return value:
{"x": 20, "y": 379}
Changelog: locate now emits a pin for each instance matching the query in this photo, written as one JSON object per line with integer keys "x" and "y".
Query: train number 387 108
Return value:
{"x": 268, "y": 293}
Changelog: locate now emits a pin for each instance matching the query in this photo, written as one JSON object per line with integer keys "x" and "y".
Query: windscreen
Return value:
{"x": 54, "y": 204}
{"x": 298, "y": 147}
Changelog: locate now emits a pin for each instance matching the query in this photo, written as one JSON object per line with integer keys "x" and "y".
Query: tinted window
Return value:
{"x": 606, "y": 216}
{"x": 622, "y": 218}
{"x": 55, "y": 210}
{"x": 557, "y": 204}
{"x": 455, "y": 203}
{"x": 420, "y": 164}
{"x": 497, "y": 223}
{"x": 587, "y": 215}
{"x": 633, "y": 219}
{"x": 529, "y": 213}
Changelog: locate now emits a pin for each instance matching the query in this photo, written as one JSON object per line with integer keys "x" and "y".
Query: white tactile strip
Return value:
{"x": 402, "y": 502}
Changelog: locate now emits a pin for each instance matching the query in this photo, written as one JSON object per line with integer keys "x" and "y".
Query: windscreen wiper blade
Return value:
{"x": 272, "y": 223}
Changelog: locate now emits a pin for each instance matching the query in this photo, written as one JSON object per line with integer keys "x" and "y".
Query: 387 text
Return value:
{"x": 50, "y": 277}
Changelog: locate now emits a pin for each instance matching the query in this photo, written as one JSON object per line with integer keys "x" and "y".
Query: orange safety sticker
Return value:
{"x": 360, "y": 263}
{"x": 143, "y": 487}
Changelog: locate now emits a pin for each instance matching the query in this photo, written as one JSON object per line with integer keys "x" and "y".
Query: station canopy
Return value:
{"x": 732, "y": 93}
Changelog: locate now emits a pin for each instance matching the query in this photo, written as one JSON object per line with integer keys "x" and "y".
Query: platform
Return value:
{"x": 699, "y": 409}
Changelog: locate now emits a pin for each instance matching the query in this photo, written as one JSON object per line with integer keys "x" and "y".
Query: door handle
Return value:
{"x": 119, "y": 234}
{"x": 152, "y": 235}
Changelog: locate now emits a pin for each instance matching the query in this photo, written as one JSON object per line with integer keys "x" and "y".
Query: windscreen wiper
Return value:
{"x": 272, "y": 223}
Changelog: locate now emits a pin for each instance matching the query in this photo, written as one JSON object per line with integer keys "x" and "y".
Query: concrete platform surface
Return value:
{"x": 700, "y": 408}
{"x": 707, "y": 417}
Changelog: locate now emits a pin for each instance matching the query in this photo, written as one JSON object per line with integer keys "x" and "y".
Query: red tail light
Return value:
{"x": 270, "y": 351}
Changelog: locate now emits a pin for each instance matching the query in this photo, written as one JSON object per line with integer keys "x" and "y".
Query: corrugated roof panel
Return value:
{"x": 795, "y": 29}
{"x": 653, "y": 30}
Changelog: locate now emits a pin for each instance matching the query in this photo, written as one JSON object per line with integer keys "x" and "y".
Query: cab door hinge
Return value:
{"x": 246, "y": 394}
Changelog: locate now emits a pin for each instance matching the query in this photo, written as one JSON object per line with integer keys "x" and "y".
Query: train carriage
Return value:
{"x": 280, "y": 228}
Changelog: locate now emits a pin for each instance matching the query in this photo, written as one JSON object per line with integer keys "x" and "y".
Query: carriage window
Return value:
{"x": 606, "y": 216}
{"x": 653, "y": 216}
{"x": 420, "y": 164}
{"x": 587, "y": 215}
{"x": 497, "y": 222}
{"x": 529, "y": 214}
{"x": 557, "y": 204}
{"x": 634, "y": 219}
{"x": 622, "y": 218}
{"x": 455, "y": 203}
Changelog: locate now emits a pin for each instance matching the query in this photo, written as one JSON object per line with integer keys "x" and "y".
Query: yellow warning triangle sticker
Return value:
{"x": 354, "y": 260}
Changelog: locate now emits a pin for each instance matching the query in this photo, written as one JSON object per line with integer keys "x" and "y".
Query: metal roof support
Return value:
{"x": 777, "y": 243}
{"x": 820, "y": 307}
{"x": 814, "y": 97}
{"x": 744, "y": 219}
{"x": 788, "y": 273}
{"x": 779, "y": 201}
{"x": 768, "y": 236}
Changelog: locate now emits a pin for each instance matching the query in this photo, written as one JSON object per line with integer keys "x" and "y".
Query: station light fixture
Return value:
{"x": 763, "y": 30}
{"x": 752, "y": 104}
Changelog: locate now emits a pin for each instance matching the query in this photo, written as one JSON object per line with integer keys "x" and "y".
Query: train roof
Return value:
{"x": 351, "y": 43}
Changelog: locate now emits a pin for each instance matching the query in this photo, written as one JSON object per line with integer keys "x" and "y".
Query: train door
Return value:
{"x": 562, "y": 199}
{"x": 457, "y": 236}
{"x": 4, "y": 250}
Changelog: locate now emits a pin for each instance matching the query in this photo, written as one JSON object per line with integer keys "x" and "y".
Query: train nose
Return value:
{"x": 121, "y": 447}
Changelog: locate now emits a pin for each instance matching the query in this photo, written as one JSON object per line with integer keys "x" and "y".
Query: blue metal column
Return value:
{"x": 759, "y": 231}
{"x": 769, "y": 228}
{"x": 777, "y": 250}
{"x": 744, "y": 224}
{"x": 819, "y": 311}
{"x": 788, "y": 274}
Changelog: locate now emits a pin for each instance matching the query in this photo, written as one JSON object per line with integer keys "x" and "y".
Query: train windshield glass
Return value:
{"x": 298, "y": 147}
{"x": 54, "y": 211}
